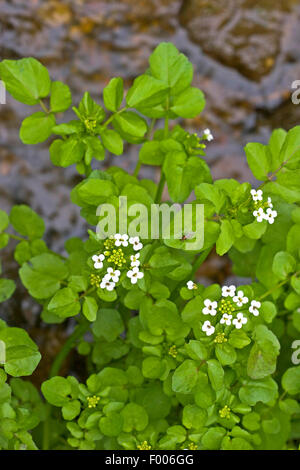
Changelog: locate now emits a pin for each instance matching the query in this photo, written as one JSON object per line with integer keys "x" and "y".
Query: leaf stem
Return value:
{"x": 44, "y": 107}
{"x": 137, "y": 168}
{"x": 199, "y": 261}
{"x": 63, "y": 353}
{"x": 162, "y": 180}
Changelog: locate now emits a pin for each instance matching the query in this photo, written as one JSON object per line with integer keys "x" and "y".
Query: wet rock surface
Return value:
{"x": 246, "y": 56}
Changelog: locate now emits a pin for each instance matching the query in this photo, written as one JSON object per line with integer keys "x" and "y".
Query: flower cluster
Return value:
{"x": 93, "y": 401}
{"x": 114, "y": 253}
{"x": 208, "y": 135}
{"x": 144, "y": 446}
{"x": 227, "y": 311}
{"x": 262, "y": 210}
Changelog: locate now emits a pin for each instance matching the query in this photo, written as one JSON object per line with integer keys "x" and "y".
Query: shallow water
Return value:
{"x": 246, "y": 57}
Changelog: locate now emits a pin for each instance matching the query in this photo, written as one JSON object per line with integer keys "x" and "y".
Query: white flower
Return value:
{"x": 191, "y": 285}
{"x": 98, "y": 261}
{"x": 208, "y": 135}
{"x": 239, "y": 321}
{"x": 121, "y": 240}
{"x": 239, "y": 299}
{"x": 255, "y": 305}
{"x": 134, "y": 275}
{"x": 112, "y": 275}
{"x": 256, "y": 195}
{"x": 259, "y": 214}
{"x": 228, "y": 291}
{"x": 135, "y": 260}
{"x": 208, "y": 328}
{"x": 270, "y": 203}
{"x": 270, "y": 215}
{"x": 226, "y": 319}
{"x": 135, "y": 241}
{"x": 210, "y": 307}
{"x": 107, "y": 284}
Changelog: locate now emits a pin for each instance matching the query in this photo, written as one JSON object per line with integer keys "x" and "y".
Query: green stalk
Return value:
{"x": 199, "y": 261}
{"x": 162, "y": 180}
{"x": 137, "y": 168}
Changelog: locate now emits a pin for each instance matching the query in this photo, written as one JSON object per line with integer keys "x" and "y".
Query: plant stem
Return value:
{"x": 160, "y": 188}
{"x": 15, "y": 237}
{"x": 44, "y": 107}
{"x": 137, "y": 168}
{"x": 63, "y": 353}
{"x": 55, "y": 368}
{"x": 162, "y": 180}
{"x": 199, "y": 261}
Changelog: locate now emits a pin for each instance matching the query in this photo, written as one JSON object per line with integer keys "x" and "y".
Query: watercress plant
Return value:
{"x": 171, "y": 363}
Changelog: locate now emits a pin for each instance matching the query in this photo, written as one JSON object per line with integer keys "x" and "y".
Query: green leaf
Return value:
{"x": 184, "y": 174}
{"x": 7, "y": 288}
{"x": 26, "y": 80}
{"x": 111, "y": 425}
{"x": 274, "y": 146}
{"x": 67, "y": 152}
{"x": 290, "y": 150}
{"x": 283, "y": 264}
{"x": 43, "y": 275}
{"x": 108, "y": 324}
{"x": 213, "y": 437}
{"x": 65, "y": 303}
{"x": 171, "y": 67}
{"x": 112, "y": 141}
{"x": 71, "y": 409}
{"x": 130, "y": 125}
{"x": 239, "y": 339}
{"x": 215, "y": 374}
{"x": 4, "y": 220}
{"x": 291, "y": 380}
{"x": 225, "y": 354}
{"x": 61, "y": 98}
{"x": 93, "y": 191}
{"x": 113, "y": 94}
{"x": 90, "y": 308}
{"x": 263, "y": 355}
{"x": 255, "y": 230}
{"x": 37, "y": 128}
{"x": 254, "y": 391}
{"x": 185, "y": 377}
{"x": 25, "y": 221}
{"x": 22, "y": 355}
{"x": 134, "y": 417}
{"x": 146, "y": 91}
{"x": 152, "y": 367}
{"x": 226, "y": 238}
{"x": 151, "y": 154}
{"x": 258, "y": 161}
{"x": 56, "y": 391}
{"x": 212, "y": 193}
{"x": 193, "y": 417}
{"x": 189, "y": 103}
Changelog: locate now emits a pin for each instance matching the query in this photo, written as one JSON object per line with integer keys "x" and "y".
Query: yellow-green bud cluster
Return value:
{"x": 90, "y": 125}
{"x": 226, "y": 306}
{"x": 93, "y": 401}
{"x": 225, "y": 412}
{"x": 95, "y": 280}
{"x": 220, "y": 338}
{"x": 144, "y": 446}
{"x": 192, "y": 446}
{"x": 117, "y": 257}
{"x": 173, "y": 351}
